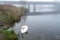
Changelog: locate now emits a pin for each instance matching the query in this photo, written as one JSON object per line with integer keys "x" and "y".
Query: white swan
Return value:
{"x": 24, "y": 29}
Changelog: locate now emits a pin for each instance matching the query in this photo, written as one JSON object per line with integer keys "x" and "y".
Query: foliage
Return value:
{"x": 9, "y": 35}
{"x": 10, "y": 14}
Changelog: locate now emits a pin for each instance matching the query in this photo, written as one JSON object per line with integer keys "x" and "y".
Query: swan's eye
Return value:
{"x": 23, "y": 28}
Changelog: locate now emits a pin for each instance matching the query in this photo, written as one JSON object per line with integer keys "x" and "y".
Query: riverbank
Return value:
{"x": 9, "y": 15}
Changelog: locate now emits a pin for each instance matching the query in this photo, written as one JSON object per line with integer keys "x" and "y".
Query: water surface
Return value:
{"x": 41, "y": 27}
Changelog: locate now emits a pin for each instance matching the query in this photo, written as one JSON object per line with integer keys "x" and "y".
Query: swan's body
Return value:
{"x": 24, "y": 29}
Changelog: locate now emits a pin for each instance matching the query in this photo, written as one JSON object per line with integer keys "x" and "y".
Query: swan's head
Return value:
{"x": 24, "y": 29}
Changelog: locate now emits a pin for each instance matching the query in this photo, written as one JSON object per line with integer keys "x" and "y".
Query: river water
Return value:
{"x": 41, "y": 27}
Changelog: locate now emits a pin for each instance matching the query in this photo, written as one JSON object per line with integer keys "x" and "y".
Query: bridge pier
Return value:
{"x": 34, "y": 8}
{"x": 29, "y": 8}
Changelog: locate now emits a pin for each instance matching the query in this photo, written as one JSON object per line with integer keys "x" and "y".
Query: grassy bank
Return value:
{"x": 10, "y": 14}
{"x": 8, "y": 35}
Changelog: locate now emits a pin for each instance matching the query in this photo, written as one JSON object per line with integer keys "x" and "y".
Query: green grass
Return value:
{"x": 9, "y": 35}
{"x": 9, "y": 17}
{"x": 6, "y": 18}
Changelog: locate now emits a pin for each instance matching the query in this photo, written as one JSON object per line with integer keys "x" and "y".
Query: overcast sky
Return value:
{"x": 41, "y": 0}
{"x": 33, "y": 0}
{"x": 9, "y": 0}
